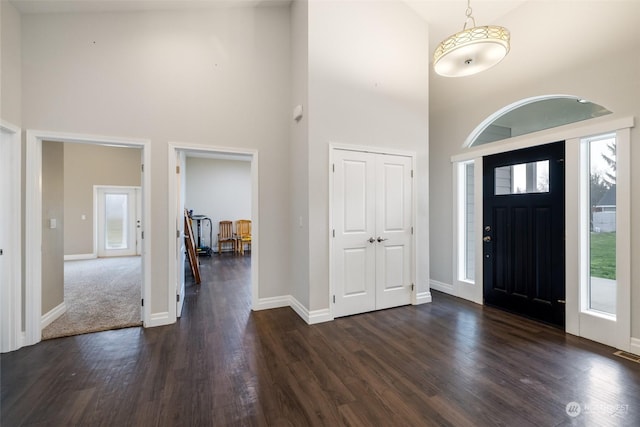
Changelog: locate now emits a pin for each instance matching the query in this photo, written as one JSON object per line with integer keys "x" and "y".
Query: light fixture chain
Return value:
{"x": 469, "y": 13}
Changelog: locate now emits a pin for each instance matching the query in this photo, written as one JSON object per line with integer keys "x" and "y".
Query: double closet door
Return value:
{"x": 372, "y": 231}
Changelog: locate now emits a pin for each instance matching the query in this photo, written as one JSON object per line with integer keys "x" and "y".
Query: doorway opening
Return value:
{"x": 62, "y": 217}
{"x": 99, "y": 229}
{"x": 209, "y": 186}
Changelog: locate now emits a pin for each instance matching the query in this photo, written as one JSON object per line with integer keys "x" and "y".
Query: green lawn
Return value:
{"x": 603, "y": 255}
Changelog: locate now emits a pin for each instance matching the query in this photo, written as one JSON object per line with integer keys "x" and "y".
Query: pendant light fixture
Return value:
{"x": 471, "y": 50}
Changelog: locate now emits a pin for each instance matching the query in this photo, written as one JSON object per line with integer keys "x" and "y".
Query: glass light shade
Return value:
{"x": 471, "y": 51}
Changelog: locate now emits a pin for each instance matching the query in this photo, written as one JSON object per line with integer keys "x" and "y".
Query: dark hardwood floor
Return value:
{"x": 448, "y": 363}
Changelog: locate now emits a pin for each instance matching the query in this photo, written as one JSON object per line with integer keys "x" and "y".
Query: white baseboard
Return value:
{"x": 77, "y": 257}
{"x": 273, "y": 302}
{"x": 52, "y": 315}
{"x": 423, "y": 298}
{"x": 634, "y": 346}
{"x": 299, "y": 308}
{"x": 441, "y": 286}
{"x": 158, "y": 319}
{"x": 22, "y": 339}
{"x": 319, "y": 316}
{"x": 311, "y": 317}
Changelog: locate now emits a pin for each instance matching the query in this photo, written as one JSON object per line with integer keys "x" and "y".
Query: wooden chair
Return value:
{"x": 225, "y": 235}
{"x": 243, "y": 234}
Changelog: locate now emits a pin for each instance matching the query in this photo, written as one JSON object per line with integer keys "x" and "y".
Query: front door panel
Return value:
{"x": 523, "y": 232}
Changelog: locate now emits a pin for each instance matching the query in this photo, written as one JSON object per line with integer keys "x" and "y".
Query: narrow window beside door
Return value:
{"x": 602, "y": 233}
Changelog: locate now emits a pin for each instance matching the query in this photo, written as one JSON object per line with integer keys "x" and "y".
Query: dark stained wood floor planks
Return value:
{"x": 448, "y": 363}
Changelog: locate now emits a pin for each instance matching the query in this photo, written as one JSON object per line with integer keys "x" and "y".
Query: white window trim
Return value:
{"x": 611, "y": 330}
{"x": 572, "y": 134}
{"x": 467, "y": 289}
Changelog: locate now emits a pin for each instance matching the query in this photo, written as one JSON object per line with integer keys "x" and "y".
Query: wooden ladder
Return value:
{"x": 191, "y": 247}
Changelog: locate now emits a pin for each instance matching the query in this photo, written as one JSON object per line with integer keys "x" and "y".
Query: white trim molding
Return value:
{"x": 634, "y": 346}
{"x": 49, "y": 317}
{"x": 416, "y": 296}
{"x": 319, "y": 316}
{"x": 310, "y": 317}
{"x": 272, "y": 302}
{"x": 11, "y": 332}
{"x": 442, "y": 287}
{"x": 158, "y": 319}
{"x": 423, "y": 298}
{"x": 214, "y": 152}
{"x": 78, "y": 257}
{"x": 584, "y": 129}
{"x": 576, "y": 323}
{"x": 33, "y": 216}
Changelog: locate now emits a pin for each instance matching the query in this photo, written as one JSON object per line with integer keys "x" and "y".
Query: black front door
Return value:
{"x": 523, "y": 232}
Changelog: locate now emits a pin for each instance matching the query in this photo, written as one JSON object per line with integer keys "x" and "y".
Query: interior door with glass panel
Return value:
{"x": 523, "y": 232}
{"x": 118, "y": 221}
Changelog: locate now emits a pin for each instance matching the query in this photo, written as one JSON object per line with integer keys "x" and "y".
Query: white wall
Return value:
{"x": 608, "y": 76}
{"x": 86, "y": 165}
{"x": 10, "y": 63}
{"x": 52, "y": 238}
{"x": 299, "y": 153}
{"x": 219, "y": 189}
{"x": 368, "y": 85}
{"x": 214, "y": 77}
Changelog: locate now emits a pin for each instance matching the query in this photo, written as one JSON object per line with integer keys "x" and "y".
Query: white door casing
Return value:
{"x": 372, "y": 222}
{"x": 33, "y": 233}
{"x": 597, "y": 328}
{"x": 181, "y": 248}
{"x": 11, "y": 334}
{"x": 176, "y": 257}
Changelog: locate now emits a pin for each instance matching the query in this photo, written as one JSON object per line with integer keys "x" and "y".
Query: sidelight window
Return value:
{"x": 466, "y": 222}
{"x": 602, "y": 224}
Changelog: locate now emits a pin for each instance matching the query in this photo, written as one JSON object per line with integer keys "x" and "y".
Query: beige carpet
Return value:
{"x": 100, "y": 294}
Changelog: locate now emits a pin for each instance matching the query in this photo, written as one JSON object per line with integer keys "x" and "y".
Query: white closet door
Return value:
{"x": 393, "y": 231}
{"x": 372, "y": 222}
{"x": 354, "y": 220}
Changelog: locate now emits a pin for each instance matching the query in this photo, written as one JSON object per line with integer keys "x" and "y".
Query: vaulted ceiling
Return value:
{"x": 546, "y": 36}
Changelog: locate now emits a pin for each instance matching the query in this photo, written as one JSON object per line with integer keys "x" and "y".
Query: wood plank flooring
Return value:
{"x": 448, "y": 363}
